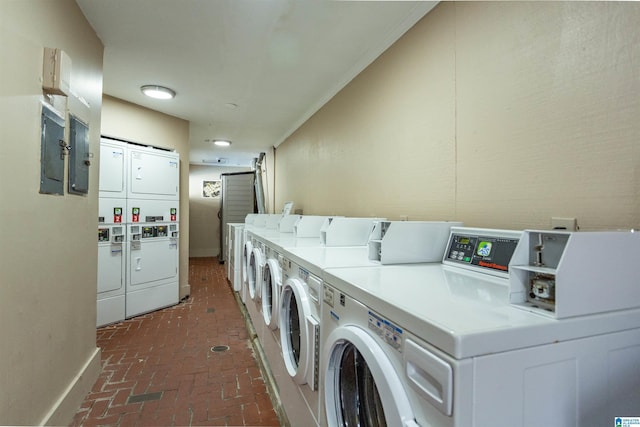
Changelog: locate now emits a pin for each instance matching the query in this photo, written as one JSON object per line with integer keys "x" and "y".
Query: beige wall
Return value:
{"x": 204, "y": 225}
{"x": 499, "y": 114}
{"x": 48, "y": 256}
{"x": 130, "y": 122}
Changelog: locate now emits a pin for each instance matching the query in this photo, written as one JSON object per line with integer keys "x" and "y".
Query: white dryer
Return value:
{"x": 440, "y": 345}
{"x": 111, "y": 261}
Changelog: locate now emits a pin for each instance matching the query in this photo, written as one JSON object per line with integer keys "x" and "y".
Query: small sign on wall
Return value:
{"x": 211, "y": 188}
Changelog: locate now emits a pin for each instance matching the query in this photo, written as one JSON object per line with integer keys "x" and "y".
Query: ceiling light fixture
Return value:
{"x": 158, "y": 92}
{"x": 222, "y": 143}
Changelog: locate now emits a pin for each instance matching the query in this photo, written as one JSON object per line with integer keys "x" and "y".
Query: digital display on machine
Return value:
{"x": 483, "y": 251}
{"x": 103, "y": 234}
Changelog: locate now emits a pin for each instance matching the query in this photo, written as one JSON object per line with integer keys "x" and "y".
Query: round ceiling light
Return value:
{"x": 158, "y": 92}
{"x": 222, "y": 143}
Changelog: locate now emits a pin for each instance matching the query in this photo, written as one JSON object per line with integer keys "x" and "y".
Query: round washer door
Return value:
{"x": 256, "y": 264}
{"x": 271, "y": 293}
{"x": 295, "y": 337}
{"x": 362, "y": 388}
{"x": 246, "y": 255}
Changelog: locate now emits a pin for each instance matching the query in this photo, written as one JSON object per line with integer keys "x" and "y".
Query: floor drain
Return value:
{"x": 144, "y": 397}
{"x": 219, "y": 348}
{"x": 211, "y": 310}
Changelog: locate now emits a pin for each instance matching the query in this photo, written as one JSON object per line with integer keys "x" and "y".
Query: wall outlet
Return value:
{"x": 569, "y": 224}
{"x": 404, "y": 218}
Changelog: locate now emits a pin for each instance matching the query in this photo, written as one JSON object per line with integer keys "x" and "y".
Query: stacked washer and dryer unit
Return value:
{"x": 138, "y": 230}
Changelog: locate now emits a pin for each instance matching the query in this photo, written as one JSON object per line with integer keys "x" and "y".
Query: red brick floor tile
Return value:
{"x": 169, "y": 351}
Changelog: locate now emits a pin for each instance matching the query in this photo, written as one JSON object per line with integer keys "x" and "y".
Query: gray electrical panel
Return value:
{"x": 78, "y": 156}
{"x": 52, "y": 152}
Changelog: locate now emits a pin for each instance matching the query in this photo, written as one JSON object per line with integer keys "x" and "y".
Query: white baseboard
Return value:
{"x": 65, "y": 408}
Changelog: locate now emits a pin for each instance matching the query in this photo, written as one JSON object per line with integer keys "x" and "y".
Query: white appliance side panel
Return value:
{"x": 581, "y": 383}
{"x": 110, "y": 269}
{"x": 110, "y": 310}
{"x": 112, "y": 170}
{"x": 152, "y": 262}
{"x": 154, "y": 174}
{"x": 149, "y": 299}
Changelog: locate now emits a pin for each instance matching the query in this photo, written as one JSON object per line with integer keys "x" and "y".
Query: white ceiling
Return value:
{"x": 279, "y": 61}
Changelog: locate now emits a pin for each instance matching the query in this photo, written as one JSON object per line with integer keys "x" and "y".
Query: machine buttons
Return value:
{"x": 387, "y": 331}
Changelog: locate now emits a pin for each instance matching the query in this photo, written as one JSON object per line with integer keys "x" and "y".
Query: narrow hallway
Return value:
{"x": 191, "y": 364}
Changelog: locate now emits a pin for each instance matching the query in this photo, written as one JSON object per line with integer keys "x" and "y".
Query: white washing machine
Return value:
{"x": 252, "y": 222}
{"x": 299, "y": 326}
{"x": 439, "y": 345}
{"x": 111, "y": 261}
{"x": 300, "y": 312}
{"x": 234, "y": 257}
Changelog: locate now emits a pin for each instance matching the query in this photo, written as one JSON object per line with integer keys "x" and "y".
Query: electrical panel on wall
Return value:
{"x": 79, "y": 157}
{"x": 53, "y": 149}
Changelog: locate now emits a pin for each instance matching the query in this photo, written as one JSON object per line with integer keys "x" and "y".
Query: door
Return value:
{"x": 256, "y": 263}
{"x": 152, "y": 261}
{"x": 112, "y": 170}
{"x": 154, "y": 174}
{"x": 271, "y": 293}
{"x": 362, "y": 388}
{"x": 110, "y": 269}
{"x": 299, "y": 333}
{"x": 237, "y": 201}
{"x": 246, "y": 258}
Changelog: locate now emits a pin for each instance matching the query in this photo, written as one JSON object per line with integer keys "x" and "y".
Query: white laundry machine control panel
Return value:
{"x": 388, "y": 331}
{"x": 489, "y": 251}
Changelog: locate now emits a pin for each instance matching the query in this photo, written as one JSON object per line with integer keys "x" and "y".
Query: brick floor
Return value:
{"x": 159, "y": 369}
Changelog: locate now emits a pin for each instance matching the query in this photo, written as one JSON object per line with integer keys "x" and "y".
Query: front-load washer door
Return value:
{"x": 271, "y": 293}
{"x": 246, "y": 257}
{"x": 256, "y": 264}
{"x": 361, "y": 387}
{"x": 299, "y": 333}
